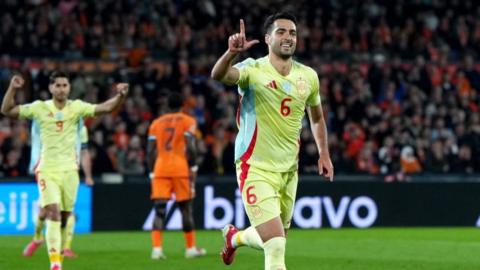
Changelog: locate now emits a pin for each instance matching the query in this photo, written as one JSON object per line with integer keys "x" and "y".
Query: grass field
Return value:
{"x": 344, "y": 249}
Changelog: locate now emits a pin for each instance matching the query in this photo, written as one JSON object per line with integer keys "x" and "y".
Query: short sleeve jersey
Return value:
{"x": 271, "y": 111}
{"x": 59, "y": 132}
{"x": 36, "y": 144}
{"x": 169, "y": 133}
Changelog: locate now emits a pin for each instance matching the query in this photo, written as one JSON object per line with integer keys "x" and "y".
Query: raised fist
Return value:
{"x": 17, "y": 81}
{"x": 122, "y": 89}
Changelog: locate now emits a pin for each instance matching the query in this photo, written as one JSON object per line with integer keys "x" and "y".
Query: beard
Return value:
{"x": 284, "y": 54}
{"x": 61, "y": 97}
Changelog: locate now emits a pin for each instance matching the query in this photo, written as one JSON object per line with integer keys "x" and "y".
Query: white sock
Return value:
{"x": 248, "y": 237}
{"x": 275, "y": 254}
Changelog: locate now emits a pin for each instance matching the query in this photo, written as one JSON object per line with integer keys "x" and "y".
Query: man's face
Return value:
{"x": 282, "y": 39}
{"x": 60, "y": 89}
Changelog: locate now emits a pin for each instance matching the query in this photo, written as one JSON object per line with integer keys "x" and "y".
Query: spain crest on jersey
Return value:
{"x": 301, "y": 87}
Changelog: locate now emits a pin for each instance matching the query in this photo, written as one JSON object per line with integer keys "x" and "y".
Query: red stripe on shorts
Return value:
{"x": 244, "y": 166}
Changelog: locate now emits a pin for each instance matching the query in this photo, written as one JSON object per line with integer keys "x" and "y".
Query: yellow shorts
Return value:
{"x": 58, "y": 188}
{"x": 267, "y": 195}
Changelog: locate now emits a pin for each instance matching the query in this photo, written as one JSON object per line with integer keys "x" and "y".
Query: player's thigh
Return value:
{"x": 48, "y": 188}
{"x": 71, "y": 182}
{"x": 287, "y": 197}
{"x": 260, "y": 195}
{"x": 161, "y": 188}
{"x": 183, "y": 188}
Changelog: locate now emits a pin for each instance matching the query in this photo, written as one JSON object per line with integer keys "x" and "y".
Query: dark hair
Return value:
{"x": 175, "y": 101}
{"x": 280, "y": 15}
{"x": 58, "y": 74}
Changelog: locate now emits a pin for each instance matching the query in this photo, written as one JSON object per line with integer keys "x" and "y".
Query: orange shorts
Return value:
{"x": 182, "y": 187}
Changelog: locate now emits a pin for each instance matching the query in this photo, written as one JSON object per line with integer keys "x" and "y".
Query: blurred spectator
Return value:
{"x": 410, "y": 163}
{"x": 366, "y": 161}
{"x": 437, "y": 161}
{"x": 388, "y": 157}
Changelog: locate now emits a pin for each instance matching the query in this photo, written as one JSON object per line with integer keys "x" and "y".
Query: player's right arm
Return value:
{"x": 9, "y": 108}
{"x": 237, "y": 43}
{"x": 151, "y": 149}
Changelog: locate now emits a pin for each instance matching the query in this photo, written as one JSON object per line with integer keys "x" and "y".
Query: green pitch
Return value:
{"x": 344, "y": 249}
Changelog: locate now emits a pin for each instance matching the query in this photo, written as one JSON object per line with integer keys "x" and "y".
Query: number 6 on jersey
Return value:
{"x": 251, "y": 197}
{"x": 284, "y": 109}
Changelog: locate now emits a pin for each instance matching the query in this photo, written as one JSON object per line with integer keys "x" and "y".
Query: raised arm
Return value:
{"x": 114, "y": 102}
{"x": 9, "y": 108}
{"x": 319, "y": 130}
{"x": 237, "y": 43}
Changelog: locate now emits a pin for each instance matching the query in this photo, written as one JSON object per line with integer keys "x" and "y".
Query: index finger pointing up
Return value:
{"x": 242, "y": 27}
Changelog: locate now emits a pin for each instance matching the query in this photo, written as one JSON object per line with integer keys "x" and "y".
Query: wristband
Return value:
{"x": 194, "y": 168}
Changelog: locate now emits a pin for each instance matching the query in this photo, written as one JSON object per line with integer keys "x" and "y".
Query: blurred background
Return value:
{"x": 399, "y": 84}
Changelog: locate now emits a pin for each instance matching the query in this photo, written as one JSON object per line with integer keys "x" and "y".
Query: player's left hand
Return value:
{"x": 89, "y": 181}
{"x": 325, "y": 167}
{"x": 122, "y": 89}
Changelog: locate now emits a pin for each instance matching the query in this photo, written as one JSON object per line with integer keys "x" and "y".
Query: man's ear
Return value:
{"x": 267, "y": 39}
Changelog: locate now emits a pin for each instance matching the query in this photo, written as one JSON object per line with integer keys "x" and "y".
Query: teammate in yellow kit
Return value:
{"x": 57, "y": 171}
{"x": 275, "y": 90}
{"x": 83, "y": 156}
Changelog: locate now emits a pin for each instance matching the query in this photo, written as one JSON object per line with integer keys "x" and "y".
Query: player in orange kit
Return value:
{"x": 172, "y": 159}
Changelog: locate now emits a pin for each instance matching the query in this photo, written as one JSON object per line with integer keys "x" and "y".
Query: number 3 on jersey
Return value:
{"x": 284, "y": 109}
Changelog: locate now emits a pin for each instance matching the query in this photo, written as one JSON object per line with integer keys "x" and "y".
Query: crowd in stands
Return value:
{"x": 399, "y": 79}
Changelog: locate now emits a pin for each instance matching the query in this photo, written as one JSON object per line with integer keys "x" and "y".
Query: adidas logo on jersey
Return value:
{"x": 272, "y": 84}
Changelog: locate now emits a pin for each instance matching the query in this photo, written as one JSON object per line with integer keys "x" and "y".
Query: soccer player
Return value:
{"x": 57, "y": 171}
{"x": 84, "y": 156}
{"x": 275, "y": 90}
{"x": 172, "y": 156}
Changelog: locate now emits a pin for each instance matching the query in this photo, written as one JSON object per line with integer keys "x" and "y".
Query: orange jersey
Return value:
{"x": 168, "y": 131}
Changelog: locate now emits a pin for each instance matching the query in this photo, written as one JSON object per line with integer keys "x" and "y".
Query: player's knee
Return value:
{"x": 187, "y": 215}
{"x": 187, "y": 221}
{"x": 65, "y": 216}
{"x": 42, "y": 214}
{"x": 160, "y": 209}
{"x": 160, "y": 213}
{"x": 188, "y": 224}
{"x": 52, "y": 212}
